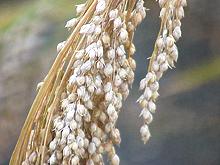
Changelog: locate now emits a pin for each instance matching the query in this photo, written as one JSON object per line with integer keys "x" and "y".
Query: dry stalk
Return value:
{"x": 73, "y": 117}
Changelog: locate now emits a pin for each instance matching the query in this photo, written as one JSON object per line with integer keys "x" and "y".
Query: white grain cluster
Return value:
{"x": 163, "y": 57}
{"x": 103, "y": 70}
{"x": 97, "y": 79}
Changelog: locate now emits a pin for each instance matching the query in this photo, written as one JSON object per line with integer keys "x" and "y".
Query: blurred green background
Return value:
{"x": 186, "y": 127}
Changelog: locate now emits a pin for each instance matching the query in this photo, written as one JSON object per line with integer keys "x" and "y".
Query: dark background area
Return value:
{"x": 186, "y": 127}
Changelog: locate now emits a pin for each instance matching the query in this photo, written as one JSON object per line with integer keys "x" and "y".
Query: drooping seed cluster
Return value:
{"x": 101, "y": 77}
{"x": 164, "y": 55}
{"x": 103, "y": 69}
{"x": 73, "y": 118}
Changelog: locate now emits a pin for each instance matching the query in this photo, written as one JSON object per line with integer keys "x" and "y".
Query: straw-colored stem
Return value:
{"x": 19, "y": 151}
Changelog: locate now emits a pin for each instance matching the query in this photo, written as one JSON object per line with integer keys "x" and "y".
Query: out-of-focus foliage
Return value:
{"x": 187, "y": 122}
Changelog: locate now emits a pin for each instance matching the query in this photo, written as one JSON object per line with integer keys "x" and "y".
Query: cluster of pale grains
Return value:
{"x": 102, "y": 69}
{"x": 164, "y": 55}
